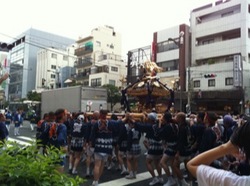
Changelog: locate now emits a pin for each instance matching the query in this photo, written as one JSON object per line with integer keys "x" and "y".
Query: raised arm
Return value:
{"x": 4, "y": 77}
{"x": 206, "y": 158}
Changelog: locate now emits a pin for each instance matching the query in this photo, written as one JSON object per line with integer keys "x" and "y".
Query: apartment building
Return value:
{"x": 220, "y": 60}
{"x": 99, "y": 60}
{"x": 208, "y": 63}
{"x": 54, "y": 68}
{"x": 23, "y": 59}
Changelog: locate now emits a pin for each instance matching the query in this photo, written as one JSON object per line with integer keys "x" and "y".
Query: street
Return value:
{"x": 109, "y": 177}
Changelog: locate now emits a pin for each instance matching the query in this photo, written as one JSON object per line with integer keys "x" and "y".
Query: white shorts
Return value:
{"x": 101, "y": 156}
{"x": 90, "y": 151}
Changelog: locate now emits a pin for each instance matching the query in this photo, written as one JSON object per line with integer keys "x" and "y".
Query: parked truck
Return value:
{"x": 74, "y": 99}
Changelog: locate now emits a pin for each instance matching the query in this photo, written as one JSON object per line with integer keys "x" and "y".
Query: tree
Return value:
{"x": 114, "y": 95}
{"x": 34, "y": 96}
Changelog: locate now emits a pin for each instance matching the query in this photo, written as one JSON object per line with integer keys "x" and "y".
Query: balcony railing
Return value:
{"x": 82, "y": 51}
{"x": 83, "y": 62}
{"x": 82, "y": 75}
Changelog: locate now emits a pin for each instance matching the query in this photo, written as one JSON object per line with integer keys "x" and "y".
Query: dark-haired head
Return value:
{"x": 167, "y": 117}
{"x": 210, "y": 118}
{"x": 181, "y": 118}
{"x": 241, "y": 138}
{"x": 45, "y": 116}
{"x": 103, "y": 114}
{"x": 200, "y": 117}
{"x": 96, "y": 115}
{"x": 60, "y": 115}
{"x": 114, "y": 117}
{"x": 51, "y": 116}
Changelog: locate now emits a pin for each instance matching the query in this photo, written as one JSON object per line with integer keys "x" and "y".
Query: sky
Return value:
{"x": 135, "y": 20}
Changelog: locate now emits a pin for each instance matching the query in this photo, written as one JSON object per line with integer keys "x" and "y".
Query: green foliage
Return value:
{"x": 114, "y": 95}
{"x": 24, "y": 165}
{"x": 34, "y": 96}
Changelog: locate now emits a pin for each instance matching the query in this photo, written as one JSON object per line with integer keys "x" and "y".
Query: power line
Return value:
{"x": 37, "y": 45}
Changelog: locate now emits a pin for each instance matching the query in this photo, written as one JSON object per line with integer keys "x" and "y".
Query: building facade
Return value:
{"x": 99, "y": 60}
{"x": 171, "y": 51}
{"x": 208, "y": 63}
{"x": 54, "y": 67}
{"x": 220, "y": 60}
{"x": 23, "y": 59}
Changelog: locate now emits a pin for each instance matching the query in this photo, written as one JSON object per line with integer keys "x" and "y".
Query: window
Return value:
{"x": 211, "y": 83}
{"x": 114, "y": 69}
{"x": 53, "y": 55}
{"x": 227, "y": 14}
{"x": 98, "y": 43}
{"x": 208, "y": 41}
{"x": 229, "y": 81}
{"x": 166, "y": 46}
{"x": 197, "y": 83}
{"x": 112, "y": 82}
{"x": 53, "y": 76}
{"x": 65, "y": 58}
{"x": 86, "y": 83}
{"x": 229, "y": 59}
{"x": 53, "y": 66}
{"x": 96, "y": 82}
{"x": 169, "y": 65}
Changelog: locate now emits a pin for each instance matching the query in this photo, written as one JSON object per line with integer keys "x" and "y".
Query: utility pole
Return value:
{"x": 182, "y": 71}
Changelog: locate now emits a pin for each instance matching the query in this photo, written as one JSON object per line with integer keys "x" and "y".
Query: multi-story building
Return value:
{"x": 23, "y": 59}
{"x": 220, "y": 60}
{"x": 99, "y": 60}
{"x": 136, "y": 59}
{"x": 208, "y": 64}
{"x": 171, "y": 51}
{"x": 54, "y": 67}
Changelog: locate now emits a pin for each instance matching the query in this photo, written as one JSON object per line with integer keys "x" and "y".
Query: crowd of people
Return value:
{"x": 8, "y": 118}
{"x": 170, "y": 139}
{"x": 17, "y": 118}
{"x": 205, "y": 143}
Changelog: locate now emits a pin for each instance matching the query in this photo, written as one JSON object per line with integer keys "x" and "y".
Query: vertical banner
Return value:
{"x": 237, "y": 71}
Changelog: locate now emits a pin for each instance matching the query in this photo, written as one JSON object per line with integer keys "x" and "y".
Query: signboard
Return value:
{"x": 237, "y": 71}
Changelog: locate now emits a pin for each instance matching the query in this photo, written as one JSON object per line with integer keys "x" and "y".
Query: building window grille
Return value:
{"x": 112, "y": 82}
{"x": 114, "y": 69}
{"x": 53, "y": 66}
{"x": 96, "y": 82}
{"x": 197, "y": 83}
{"x": 53, "y": 56}
{"x": 229, "y": 81}
{"x": 211, "y": 83}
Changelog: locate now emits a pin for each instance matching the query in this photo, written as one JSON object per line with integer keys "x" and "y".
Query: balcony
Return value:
{"x": 222, "y": 48}
{"x": 83, "y": 51}
{"x": 80, "y": 63}
{"x": 82, "y": 75}
{"x": 217, "y": 26}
